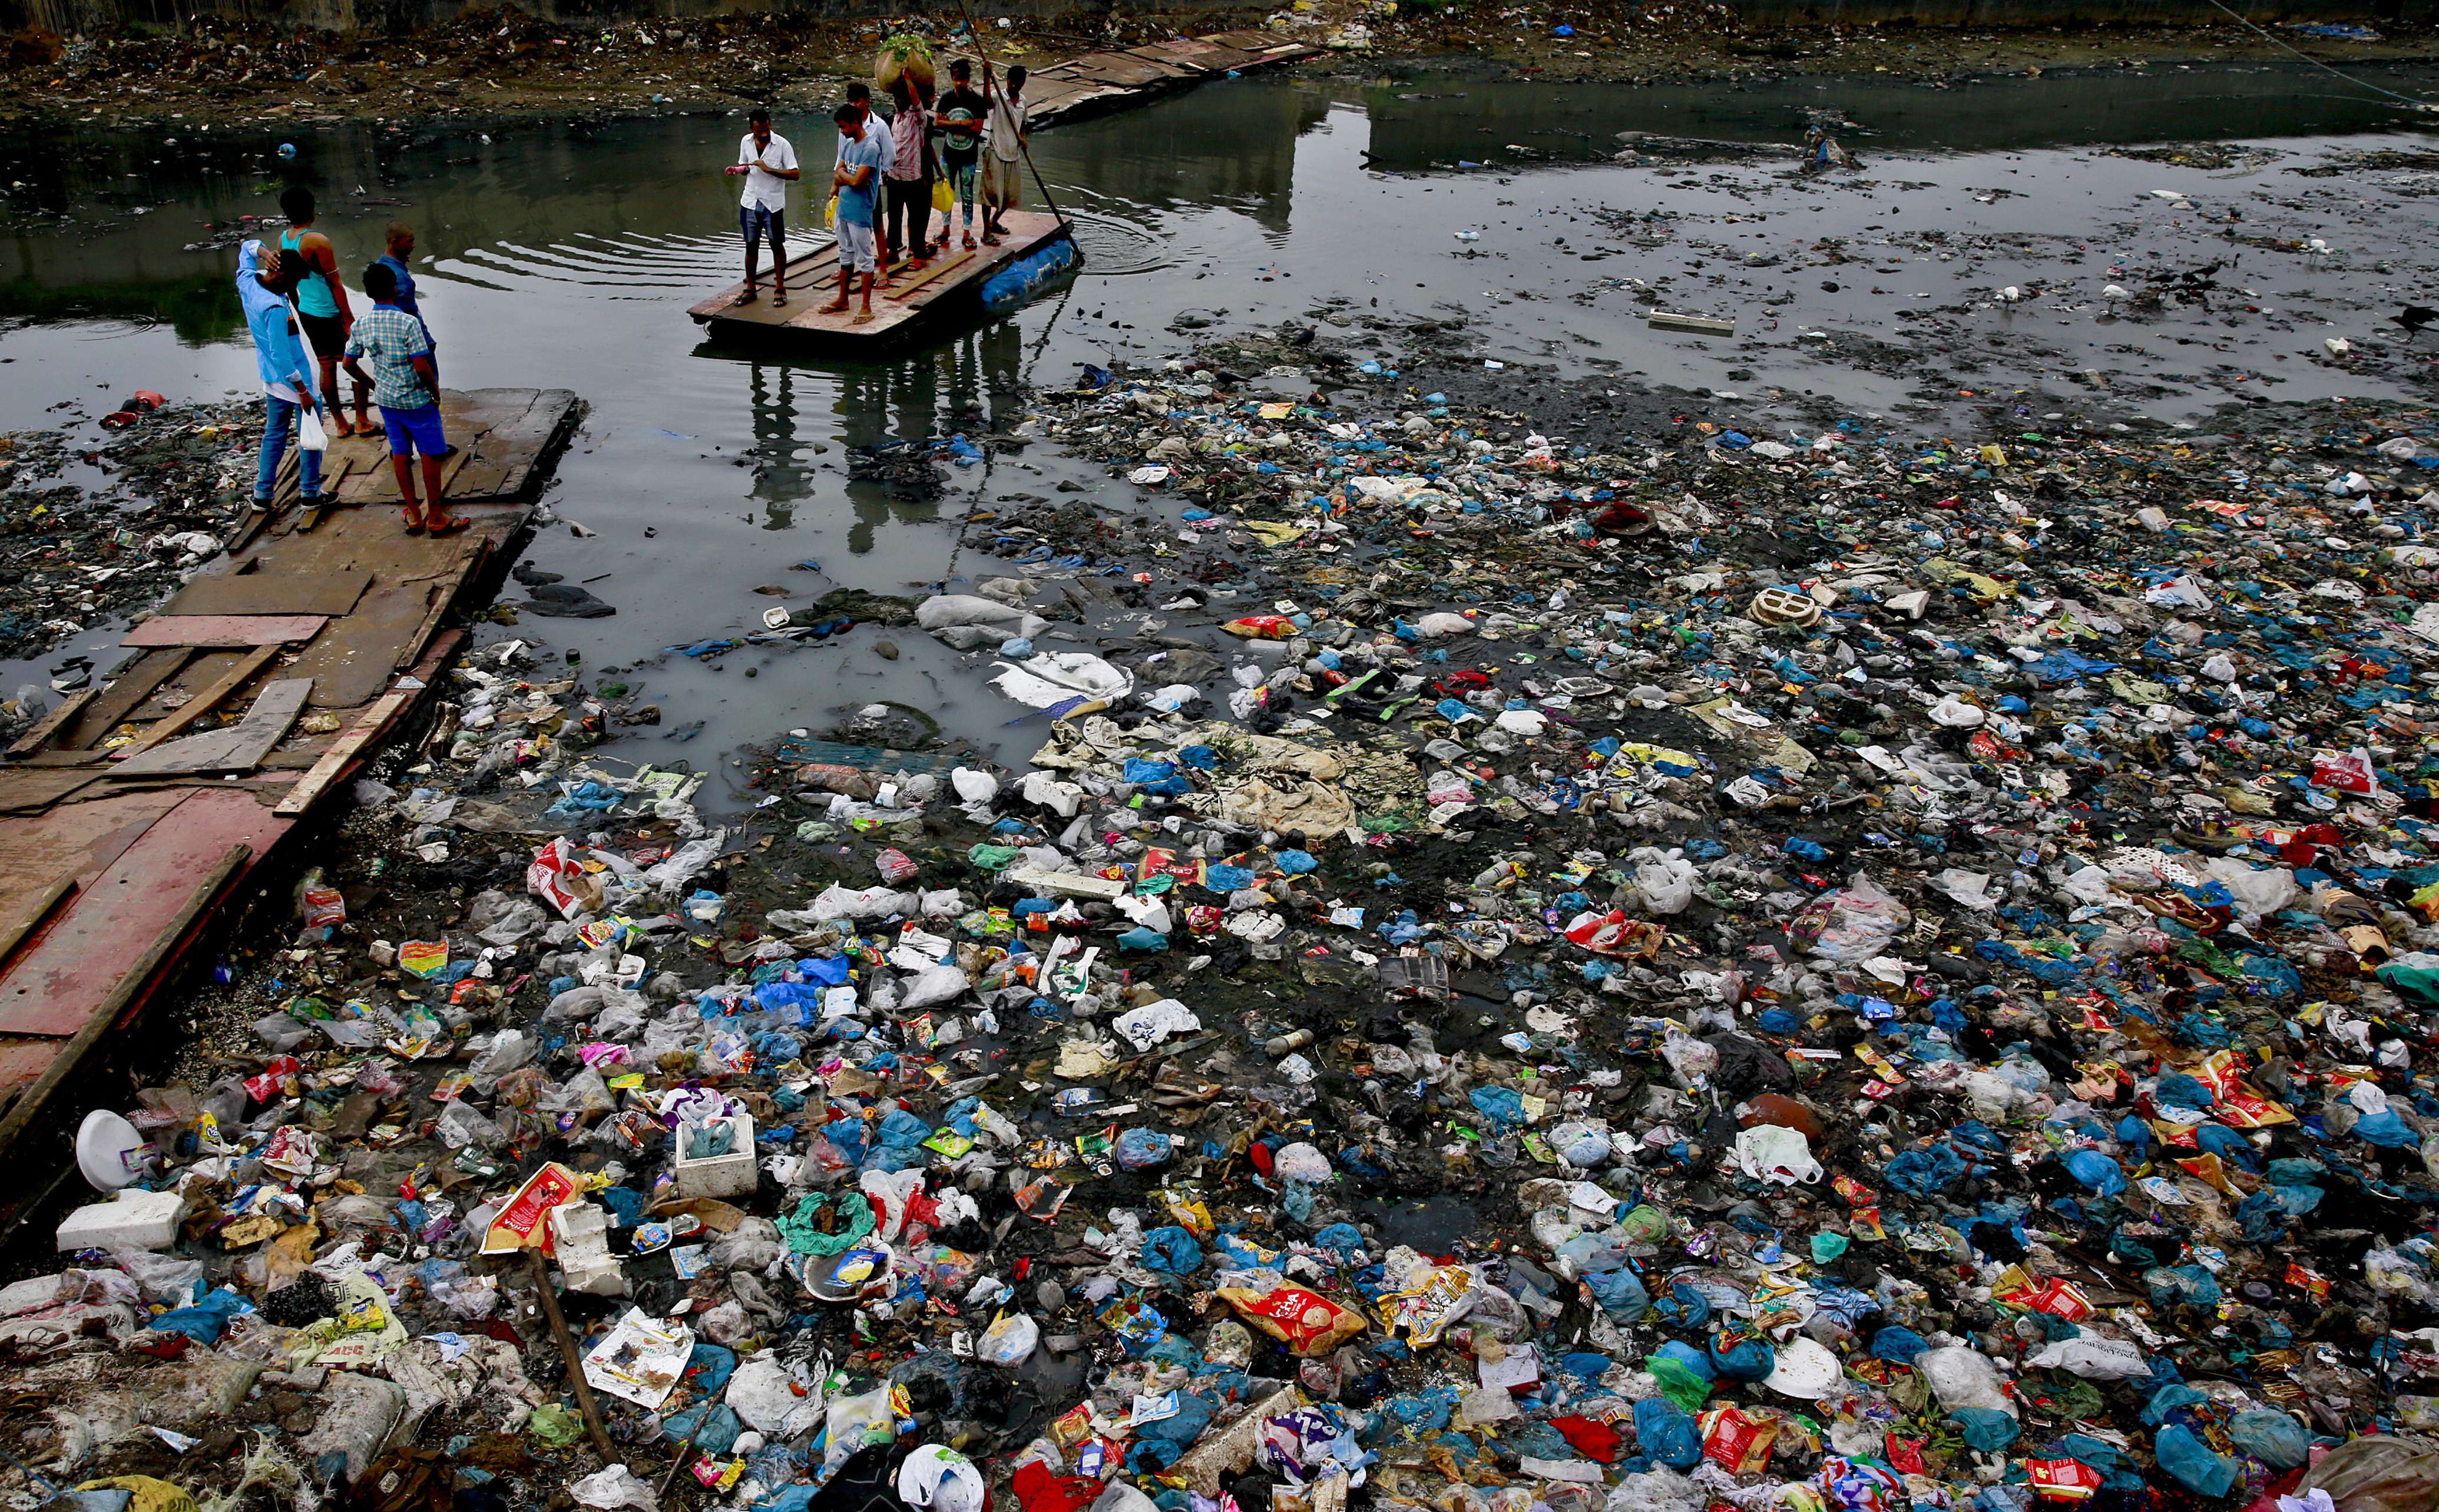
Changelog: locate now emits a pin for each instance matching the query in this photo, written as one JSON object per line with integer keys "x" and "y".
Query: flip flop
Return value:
{"x": 749, "y": 296}
{"x": 449, "y": 526}
{"x": 778, "y": 301}
{"x": 864, "y": 319}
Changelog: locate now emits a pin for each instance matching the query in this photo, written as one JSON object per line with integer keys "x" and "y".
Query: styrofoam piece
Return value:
{"x": 137, "y": 1220}
{"x": 730, "y": 1175}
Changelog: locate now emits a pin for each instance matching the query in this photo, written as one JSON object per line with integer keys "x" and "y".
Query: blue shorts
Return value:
{"x": 757, "y": 220}
{"x": 414, "y": 431}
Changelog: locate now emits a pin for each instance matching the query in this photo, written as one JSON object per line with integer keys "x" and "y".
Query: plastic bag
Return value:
{"x": 2276, "y": 1439}
{"x": 1306, "y": 1322}
{"x": 616, "y": 1486}
{"x": 1962, "y": 1376}
{"x": 1010, "y": 1341}
{"x": 2183, "y": 1454}
{"x": 1854, "y": 923}
{"x": 1668, "y": 1434}
{"x": 1665, "y": 881}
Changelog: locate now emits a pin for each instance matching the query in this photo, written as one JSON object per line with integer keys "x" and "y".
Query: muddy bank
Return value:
{"x": 505, "y": 64}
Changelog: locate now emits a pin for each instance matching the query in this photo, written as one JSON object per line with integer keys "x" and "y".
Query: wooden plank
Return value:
{"x": 35, "y": 912}
{"x": 238, "y": 748}
{"x": 40, "y": 736}
{"x": 202, "y": 704}
{"x": 342, "y": 751}
{"x": 471, "y": 546}
{"x": 802, "y": 265}
{"x": 1028, "y": 230}
{"x": 937, "y": 270}
{"x": 329, "y": 593}
{"x": 127, "y": 693}
{"x": 224, "y": 632}
{"x": 126, "y": 994}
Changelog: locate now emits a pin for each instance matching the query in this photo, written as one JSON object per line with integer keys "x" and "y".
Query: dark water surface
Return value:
{"x": 564, "y": 255}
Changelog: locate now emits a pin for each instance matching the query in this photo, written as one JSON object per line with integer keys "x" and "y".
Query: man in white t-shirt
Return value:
{"x": 768, "y": 165}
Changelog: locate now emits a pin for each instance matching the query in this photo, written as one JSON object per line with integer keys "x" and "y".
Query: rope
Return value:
{"x": 2281, "y": 42}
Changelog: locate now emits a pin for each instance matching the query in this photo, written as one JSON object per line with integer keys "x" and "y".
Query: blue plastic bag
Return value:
{"x": 2273, "y": 1438}
{"x": 1171, "y": 1251}
{"x": 1668, "y": 1434}
{"x": 2183, "y": 1454}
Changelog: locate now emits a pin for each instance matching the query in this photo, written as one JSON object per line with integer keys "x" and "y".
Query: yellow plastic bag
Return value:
{"x": 942, "y": 201}
{"x": 829, "y": 216}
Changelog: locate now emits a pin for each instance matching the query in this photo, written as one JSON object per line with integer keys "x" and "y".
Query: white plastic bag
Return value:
{"x": 1010, "y": 1342}
{"x": 1962, "y": 1376}
{"x": 616, "y": 1486}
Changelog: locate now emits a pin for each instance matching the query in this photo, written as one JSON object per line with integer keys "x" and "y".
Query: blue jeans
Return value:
{"x": 281, "y": 420}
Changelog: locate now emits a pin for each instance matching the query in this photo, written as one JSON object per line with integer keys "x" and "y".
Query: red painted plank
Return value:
{"x": 223, "y": 631}
{"x": 60, "y": 978}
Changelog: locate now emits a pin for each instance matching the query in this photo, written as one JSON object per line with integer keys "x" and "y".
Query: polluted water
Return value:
{"x": 1548, "y": 801}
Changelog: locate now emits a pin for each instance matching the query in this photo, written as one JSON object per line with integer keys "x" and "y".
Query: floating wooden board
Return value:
{"x": 66, "y": 967}
{"x": 238, "y": 748}
{"x": 51, "y": 723}
{"x": 250, "y": 593}
{"x": 345, "y": 750}
{"x": 129, "y": 691}
{"x": 897, "y": 302}
{"x": 1692, "y": 325}
{"x": 205, "y": 699}
{"x": 224, "y": 632}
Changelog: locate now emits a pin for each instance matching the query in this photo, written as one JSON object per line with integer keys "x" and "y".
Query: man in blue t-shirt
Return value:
{"x": 861, "y": 155}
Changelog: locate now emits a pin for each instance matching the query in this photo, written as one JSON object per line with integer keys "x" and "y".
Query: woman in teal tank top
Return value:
{"x": 322, "y": 306}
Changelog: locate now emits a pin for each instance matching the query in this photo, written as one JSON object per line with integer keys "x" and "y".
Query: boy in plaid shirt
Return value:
{"x": 407, "y": 389}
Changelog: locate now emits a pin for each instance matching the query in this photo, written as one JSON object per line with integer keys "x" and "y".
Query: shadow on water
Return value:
{"x": 200, "y": 310}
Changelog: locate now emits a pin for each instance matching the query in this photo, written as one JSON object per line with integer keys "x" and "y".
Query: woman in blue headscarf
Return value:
{"x": 265, "y": 275}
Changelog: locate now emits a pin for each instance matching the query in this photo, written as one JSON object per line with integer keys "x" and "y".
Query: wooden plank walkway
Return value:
{"x": 899, "y": 301}
{"x": 1098, "y": 82}
{"x": 133, "y": 813}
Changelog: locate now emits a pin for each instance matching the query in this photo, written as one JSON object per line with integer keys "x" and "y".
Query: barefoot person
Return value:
{"x": 405, "y": 385}
{"x": 768, "y": 166}
{"x": 861, "y": 157}
{"x": 265, "y": 277}
{"x": 321, "y": 304}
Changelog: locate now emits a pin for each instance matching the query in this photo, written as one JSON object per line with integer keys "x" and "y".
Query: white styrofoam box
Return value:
{"x": 730, "y": 1175}
{"x": 139, "y": 1219}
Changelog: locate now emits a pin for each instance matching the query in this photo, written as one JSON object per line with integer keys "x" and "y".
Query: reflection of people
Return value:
{"x": 857, "y": 182}
{"x": 1003, "y": 155}
{"x": 407, "y": 389}
{"x": 768, "y": 165}
{"x": 321, "y": 303}
{"x": 265, "y": 277}
{"x": 962, "y": 110}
